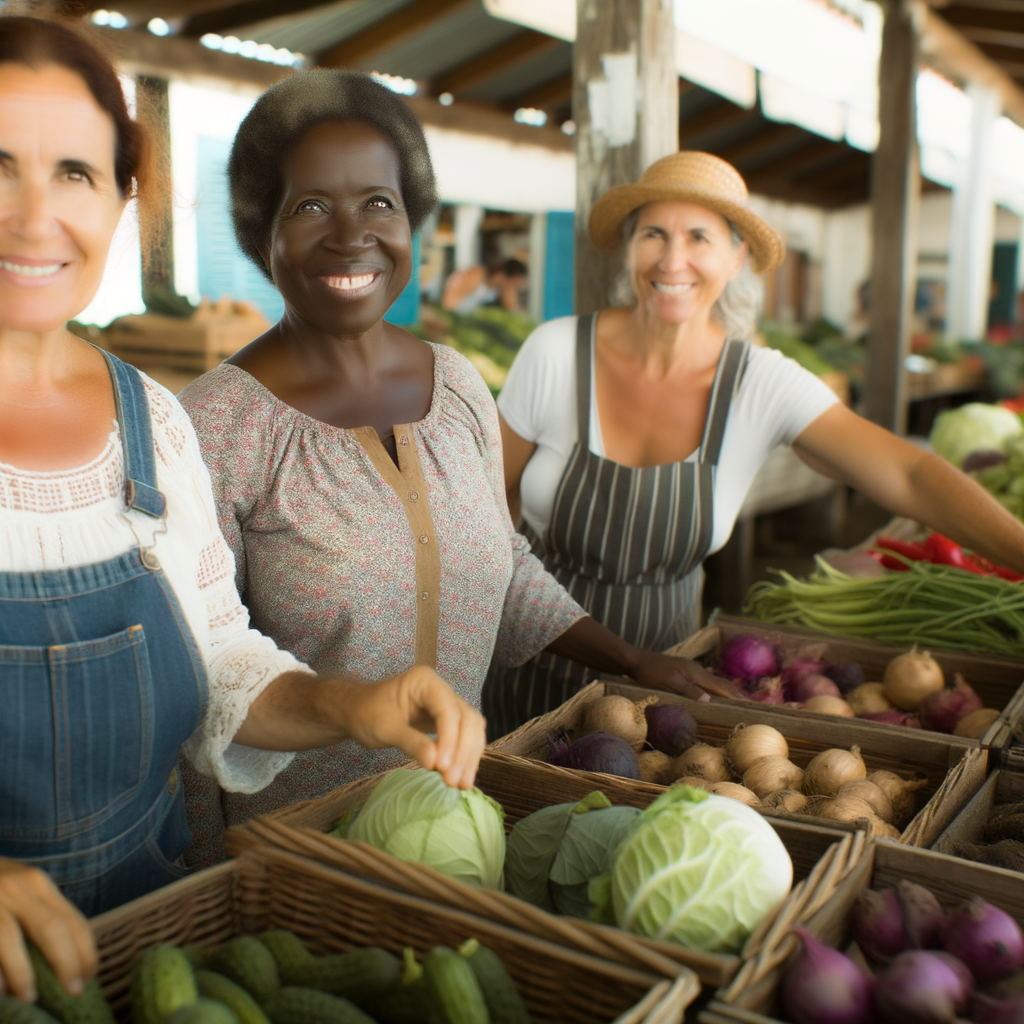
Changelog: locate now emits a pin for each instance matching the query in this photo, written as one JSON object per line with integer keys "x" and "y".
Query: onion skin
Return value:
{"x": 922, "y": 914}
{"x": 703, "y": 761}
{"x": 788, "y": 800}
{"x": 869, "y": 699}
{"x": 985, "y": 938}
{"x": 670, "y": 728}
{"x": 824, "y": 704}
{"x": 921, "y": 987}
{"x": 617, "y": 716}
{"x": 812, "y": 685}
{"x": 602, "y": 752}
{"x": 900, "y": 793}
{"x": 870, "y": 794}
{"x": 822, "y": 986}
{"x": 878, "y": 925}
{"x": 847, "y": 676}
{"x": 941, "y": 711}
{"x": 976, "y": 724}
{"x": 735, "y": 791}
{"x": 911, "y": 677}
{"x": 748, "y": 657}
{"x": 985, "y": 1010}
{"x": 655, "y": 767}
{"x": 771, "y": 775}
{"x": 797, "y": 669}
{"x": 749, "y": 743}
{"x": 832, "y": 769}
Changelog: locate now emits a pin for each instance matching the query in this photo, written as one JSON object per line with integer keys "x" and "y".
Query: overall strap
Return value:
{"x": 141, "y": 492}
{"x": 585, "y": 327}
{"x": 723, "y": 391}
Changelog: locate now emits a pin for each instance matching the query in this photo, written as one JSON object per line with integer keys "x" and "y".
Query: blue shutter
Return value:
{"x": 222, "y": 267}
{"x": 559, "y": 265}
{"x": 405, "y": 310}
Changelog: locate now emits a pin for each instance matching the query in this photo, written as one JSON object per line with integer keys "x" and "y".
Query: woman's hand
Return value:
{"x": 680, "y": 675}
{"x": 32, "y": 907}
{"x": 400, "y": 712}
{"x": 300, "y": 711}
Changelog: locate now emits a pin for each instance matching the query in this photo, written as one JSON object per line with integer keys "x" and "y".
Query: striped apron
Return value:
{"x": 627, "y": 543}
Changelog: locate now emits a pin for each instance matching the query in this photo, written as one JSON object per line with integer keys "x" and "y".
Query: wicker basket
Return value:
{"x": 521, "y": 787}
{"x": 335, "y": 912}
{"x": 752, "y": 998}
{"x": 997, "y": 680}
{"x": 954, "y": 767}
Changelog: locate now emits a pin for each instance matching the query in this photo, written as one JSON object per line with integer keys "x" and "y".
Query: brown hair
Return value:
{"x": 34, "y": 42}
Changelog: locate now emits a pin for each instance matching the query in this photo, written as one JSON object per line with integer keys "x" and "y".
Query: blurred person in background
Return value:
{"x": 503, "y": 285}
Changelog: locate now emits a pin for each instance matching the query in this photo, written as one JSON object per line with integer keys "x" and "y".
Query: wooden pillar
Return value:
{"x": 626, "y": 109}
{"x": 156, "y": 216}
{"x": 895, "y": 199}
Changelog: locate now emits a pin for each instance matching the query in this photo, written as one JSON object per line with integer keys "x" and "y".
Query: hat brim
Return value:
{"x": 767, "y": 250}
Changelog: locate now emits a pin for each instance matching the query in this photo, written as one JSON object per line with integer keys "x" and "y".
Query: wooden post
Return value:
{"x": 895, "y": 199}
{"x": 626, "y": 109}
{"x": 157, "y": 214}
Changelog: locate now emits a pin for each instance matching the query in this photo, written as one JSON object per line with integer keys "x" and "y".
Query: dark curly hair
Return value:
{"x": 288, "y": 110}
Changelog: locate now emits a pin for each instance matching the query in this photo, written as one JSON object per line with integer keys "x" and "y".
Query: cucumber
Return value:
{"x": 454, "y": 988}
{"x": 14, "y": 1011}
{"x": 308, "y": 1006}
{"x": 504, "y": 1002}
{"x": 163, "y": 982}
{"x": 289, "y": 953}
{"x": 247, "y": 962}
{"x": 409, "y": 1002}
{"x": 88, "y": 1008}
{"x": 234, "y": 997}
{"x": 359, "y": 976}
{"x": 203, "y": 1011}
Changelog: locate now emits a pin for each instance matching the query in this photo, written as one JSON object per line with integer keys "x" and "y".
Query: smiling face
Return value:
{"x": 340, "y": 246}
{"x": 681, "y": 257}
{"x": 59, "y": 201}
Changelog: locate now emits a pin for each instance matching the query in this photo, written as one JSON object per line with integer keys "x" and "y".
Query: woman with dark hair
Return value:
{"x": 121, "y": 634}
{"x": 357, "y": 468}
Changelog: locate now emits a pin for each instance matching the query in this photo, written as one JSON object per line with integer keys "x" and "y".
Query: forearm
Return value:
{"x": 597, "y": 647}
{"x": 297, "y": 711}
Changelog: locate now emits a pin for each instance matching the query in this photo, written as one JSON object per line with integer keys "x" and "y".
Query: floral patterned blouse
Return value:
{"x": 364, "y": 568}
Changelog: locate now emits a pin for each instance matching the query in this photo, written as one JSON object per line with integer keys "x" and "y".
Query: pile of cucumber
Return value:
{"x": 274, "y": 979}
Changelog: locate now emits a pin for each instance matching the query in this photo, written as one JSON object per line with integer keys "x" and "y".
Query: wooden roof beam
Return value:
{"x": 503, "y": 57}
{"x": 711, "y": 120}
{"x": 807, "y": 156}
{"x": 223, "y": 17}
{"x": 771, "y": 135}
{"x": 389, "y": 31}
{"x": 550, "y": 94}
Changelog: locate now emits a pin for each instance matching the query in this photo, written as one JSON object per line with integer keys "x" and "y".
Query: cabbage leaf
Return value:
{"x": 975, "y": 427}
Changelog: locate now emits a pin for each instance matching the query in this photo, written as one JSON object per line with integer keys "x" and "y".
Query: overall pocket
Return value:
{"x": 76, "y": 733}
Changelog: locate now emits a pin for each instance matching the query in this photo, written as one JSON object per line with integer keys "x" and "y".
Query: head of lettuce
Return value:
{"x": 413, "y": 815}
{"x": 698, "y": 869}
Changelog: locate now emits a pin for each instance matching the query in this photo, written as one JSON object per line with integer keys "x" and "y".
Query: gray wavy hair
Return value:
{"x": 737, "y": 308}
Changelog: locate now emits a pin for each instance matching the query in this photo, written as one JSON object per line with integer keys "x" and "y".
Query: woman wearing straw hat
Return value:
{"x": 631, "y": 436}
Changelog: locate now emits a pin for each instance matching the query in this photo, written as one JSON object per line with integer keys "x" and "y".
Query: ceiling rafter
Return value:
{"x": 223, "y": 17}
{"x": 769, "y": 135}
{"x": 815, "y": 152}
{"x": 495, "y": 61}
{"x": 718, "y": 116}
{"x": 550, "y": 94}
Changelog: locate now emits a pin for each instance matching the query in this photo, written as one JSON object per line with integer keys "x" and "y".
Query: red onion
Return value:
{"x": 812, "y": 685}
{"x": 982, "y": 459}
{"x": 920, "y": 987}
{"x": 670, "y": 728}
{"x": 878, "y": 924}
{"x": 985, "y": 938}
{"x": 922, "y": 915}
{"x": 986, "y": 1010}
{"x": 847, "y": 676}
{"x": 598, "y": 752}
{"x": 797, "y": 669}
{"x": 748, "y": 657}
{"x": 940, "y": 711}
{"x": 822, "y": 986}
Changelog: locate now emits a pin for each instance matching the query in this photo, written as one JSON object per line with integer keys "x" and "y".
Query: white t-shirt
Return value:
{"x": 777, "y": 399}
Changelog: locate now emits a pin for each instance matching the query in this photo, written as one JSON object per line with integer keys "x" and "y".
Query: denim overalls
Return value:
{"x": 100, "y": 684}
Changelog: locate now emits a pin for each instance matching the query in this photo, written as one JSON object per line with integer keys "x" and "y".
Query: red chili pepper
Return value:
{"x": 915, "y": 552}
{"x": 1007, "y": 574}
{"x": 888, "y": 562}
{"x": 943, "y": 551}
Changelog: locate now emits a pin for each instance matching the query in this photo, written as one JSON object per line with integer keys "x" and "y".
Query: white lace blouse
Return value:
{"x": 68, "y": 518}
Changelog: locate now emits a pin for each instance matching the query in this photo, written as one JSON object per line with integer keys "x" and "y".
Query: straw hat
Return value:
{"x": 691, "y": 177}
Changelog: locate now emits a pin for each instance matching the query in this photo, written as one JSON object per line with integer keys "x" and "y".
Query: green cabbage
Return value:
{"x": 555, "y": 852}
{"x": 975, "y": 427}
{"x": 698, "y": 869}
{"x": 414, "y": 815}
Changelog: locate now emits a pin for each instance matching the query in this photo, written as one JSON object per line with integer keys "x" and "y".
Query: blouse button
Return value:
{"x": 424, "y": 595}
{"x": 414, "y": 495}
{"x": 403, "y": 440}
{"x": 424, "y": 538}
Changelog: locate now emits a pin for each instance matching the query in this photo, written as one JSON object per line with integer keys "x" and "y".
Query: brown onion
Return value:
{"x": 704, "y": 761}
{"x": 869, "y": 699}
{"x": 832, "y": 769}
{"x": 735, "y": 792}
{"x": 695, "y": 781}
{"x": 910, "y": 677}
{"x": 976, "y": 724}
{"x": 900, "y": 793}
{"x": 749, "y": 743}
{"x": 618, "y": 716}
{"x": 830, "y": 706}
{"x": 788, "y": 800}
{"x": 871, "y": 794}
{"x": 655, "y": 767}
{"x": 772, "y": 774}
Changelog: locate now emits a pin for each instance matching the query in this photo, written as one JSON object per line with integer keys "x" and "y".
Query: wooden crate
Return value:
{"x": 954, "y": 767}
{"x": 996, "y": 679}
{"x": 1001, "y": 787}
{"x": 752, "y": 998}
{"x": 522, "y": 787}
{"x": 334, "y": 913}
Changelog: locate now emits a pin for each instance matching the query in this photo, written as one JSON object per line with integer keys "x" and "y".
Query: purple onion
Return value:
{"x": 767, "y": 690}
{"x": 795, "y": 671}
{"x": 748, "y": 657}
{"x": 670, "y": 728}
{"x": 878, "y": 924}
{"x": 846, "y": 675}
{"x": 985, "y": 938}
{"x": 812, "y": 685}
{"x": 986, "y": 1010}
{"x": 940, "y": 711}
{"x": 597, "y": 752}
{"x": 822, "y": 986}
{"x": 922, "y": 915}
{"x": 982, "y": 459}
{"x": 920, "y": 987}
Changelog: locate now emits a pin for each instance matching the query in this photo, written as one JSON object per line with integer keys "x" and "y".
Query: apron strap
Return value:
{"x": 585, "y": 326}
{"x": 141, "y": 492}
{"x": 723, "y": 391}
